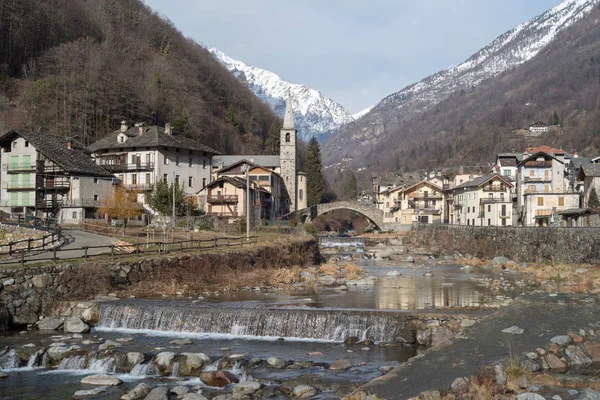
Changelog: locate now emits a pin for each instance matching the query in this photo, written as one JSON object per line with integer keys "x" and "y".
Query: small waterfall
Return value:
{"x": 33, "y": 360}
{"x": 175, "y": 370}
{"x": 104, "y": 365}
{"x": 10, "y": 360}
{"x": 44, "y": 362}
{"x": 336, "y": 241}
{"x": 329, "y": 325}
{"x": 73, "y": 363}
{"x": 143, "y": 370}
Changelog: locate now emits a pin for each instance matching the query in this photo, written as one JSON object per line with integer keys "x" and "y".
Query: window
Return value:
{"x": 287, "y": 137}
{"x": 504, "y": 210}
{"x": 489, "y": 208}
{"x": 531, "y": 172}
{"x": 177, "y": 161}
{"x": 165, "y": 178}
{"x": 532, "y": 188}
{"x": 301, "y": 194}
{"x": 540, "y": 201}
{"x": 121, "y": 139}
{"x": 561, "y": 201}
{"x": 74, "y": 214}
{"x": 204, "y": 163}
{"x": 489, "y": 222}
{"x": 26, "y": 143}
{"x": 191, "y": 160}
{"x": 547, "y": 188}
{"x": 190, "y": 181}
{"x": 96, "y": 197}
{"x": 148, "y": 178}
{"x": 95, "y": 180}
{"x": 203, "y": 182}
{"x": 134, "y": 179}
{"x": 503, "y": 221}
{"x": 133, "y": 159}
{"x": 166, "y": 160}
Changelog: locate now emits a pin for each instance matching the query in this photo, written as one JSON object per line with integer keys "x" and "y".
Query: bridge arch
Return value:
{"x": 371, "y": 213}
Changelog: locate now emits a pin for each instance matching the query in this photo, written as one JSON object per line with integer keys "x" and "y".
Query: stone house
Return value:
{"x": 141, "y": 155}
{"x": 50, "y": 176}
{"x": 484, "y": 201}
{"x": 543, "y": 189}
{"x": 589, "y": 174}
{"x": 226, "y": 198}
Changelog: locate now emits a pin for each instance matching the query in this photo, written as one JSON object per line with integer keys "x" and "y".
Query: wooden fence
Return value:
{"x": 120, "y": 249}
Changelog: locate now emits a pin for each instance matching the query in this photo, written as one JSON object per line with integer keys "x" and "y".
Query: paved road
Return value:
{"x": 542, "y": 317}
{"x": 76, "y": 240}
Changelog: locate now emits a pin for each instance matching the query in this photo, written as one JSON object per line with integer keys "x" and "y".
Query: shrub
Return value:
{"x": 311, "y": 229}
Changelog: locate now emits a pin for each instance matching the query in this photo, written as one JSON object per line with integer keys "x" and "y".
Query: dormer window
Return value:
{"x": 121, "y": 138}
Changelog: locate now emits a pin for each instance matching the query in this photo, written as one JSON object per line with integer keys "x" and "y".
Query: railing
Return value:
{"x": 427, "y": 197}
{"x": 538, "y": 164}
{"x": 494, "y": 188}
{"x": 128, "y": 166}
{"x": 57, "y": 184}
{"x": 429, "y": 211}
{"x": 543, "y": 213}
{"x": 125, "y": 249}
{"x": 538, "y": 179}
{"x": 51, "y": 239}
{"x": 549, "y": 190}
{"x": 222, "y": 199}
{"x": 18, "y": 185}
{"x": 138, "y": 187}
{"x": 494, "y": 200}
{"x": 55, "y": 203}
{"x": 31, "y": 166}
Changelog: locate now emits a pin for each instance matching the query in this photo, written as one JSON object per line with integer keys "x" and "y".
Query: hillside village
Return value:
{"x": 542, "y": 186}
{"x": 52, "y": 177}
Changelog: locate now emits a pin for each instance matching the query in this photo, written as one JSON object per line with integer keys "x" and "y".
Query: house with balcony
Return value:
{"x": 226, "y": 198}
{"x": 141, "y": 155}
{"x": 543, "y": 189}
{"x": 265, "y": 179}
{"x": 422, "y": 202}
{"x": 589, "y": 174}
{"x": 484, "y": 201}
{"x": 50, "y": 176}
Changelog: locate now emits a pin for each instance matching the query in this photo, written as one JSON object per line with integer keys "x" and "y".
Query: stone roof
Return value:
{"x": 480, "y": 180}
{"x": 591, "y": 169}
{"x": 263, "y": 161}
{"x": 544, "y": 149}
{"x": 578, "y": 161}
{"x": 74, "y": 161}
{"x": 237, "y": 182}
{"x": 152, "y": 136}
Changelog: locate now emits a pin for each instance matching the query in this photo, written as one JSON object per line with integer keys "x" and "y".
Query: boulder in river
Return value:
{"x": 304, "y": 391}
{"x": 275, "y": 362}
{"x": 218, "y": 378}
{"x": 82, "y": 394}
{"x": 138, "y": 392}
{"x": 158, "y": 393}
{"x": 340, "y": 365}
{"x": 50, "y": 324}
{"x": 102, "y": 379}
{"x": 76, "y": 325}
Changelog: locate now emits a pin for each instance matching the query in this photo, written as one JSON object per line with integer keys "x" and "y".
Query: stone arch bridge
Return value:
{"x": 371, "y": 213}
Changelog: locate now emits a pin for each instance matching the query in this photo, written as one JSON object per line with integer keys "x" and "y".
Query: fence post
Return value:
{"x": 43, "y": 242}
{"x": 29, "y": 245}
{"x": 54, "y": 254}
{"x": 137, "y": 249}
{"x": 10, "y": 245}
{"x": 180, "y": 246}
{"x": 22, "y": 257}
{"x": 85, "y": 254}
{"x": 112, "y": 252}
{"x": 198, "y": 244}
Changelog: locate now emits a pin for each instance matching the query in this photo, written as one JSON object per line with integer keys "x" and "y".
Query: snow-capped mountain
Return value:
{"x": 314, "y": 113}
{"x": 507, "y": 51}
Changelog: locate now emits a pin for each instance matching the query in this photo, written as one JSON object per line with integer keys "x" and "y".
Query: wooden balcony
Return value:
{"x": 494, "y": 188}
{"x": 57, "y": 184}
{"x": 222, "y": 199}
{"x": 493, "y": 200}
{"x": 138, "y": 187}
{"x": 127, "y": 167}
{"x": 538, "y": 164}
{"x": 534, "y": 179}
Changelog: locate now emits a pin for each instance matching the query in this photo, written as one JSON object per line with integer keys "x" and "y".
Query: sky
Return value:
{"x": 354, "y": 51}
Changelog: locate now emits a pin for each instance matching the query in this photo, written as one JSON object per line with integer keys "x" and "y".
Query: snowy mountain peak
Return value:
{"x": 314, "y": 113}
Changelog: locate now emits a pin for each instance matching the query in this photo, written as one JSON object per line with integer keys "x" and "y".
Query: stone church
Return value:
{"x": 275, "y": 180}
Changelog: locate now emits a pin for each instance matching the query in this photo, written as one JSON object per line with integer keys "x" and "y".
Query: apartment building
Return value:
{"x": 484, "y": 201}
{"x": 141, "y": 155}
{"x": 50, "y": 176}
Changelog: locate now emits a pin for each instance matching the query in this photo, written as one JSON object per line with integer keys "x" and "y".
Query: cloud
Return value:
{"x": 355, "y": 51}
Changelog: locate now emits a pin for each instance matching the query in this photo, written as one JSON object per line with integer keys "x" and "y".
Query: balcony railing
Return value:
{"x": 60, "y": 184}
{"x": 538, "y": 164}
{"x": 138, "y": 187}
{"x": 547, "y": 190}
{"x": 58, "y": 203}
{"x": 128, "y": 167}
{"x": 543, "y": 213}
{"x": 18, "y": 185}
{"x": 222, "y": 199}
{"x": 537, "y": 179}
{"x": 492, "y": 200}
{"x": 31, "y": 166}
{"x": 429, "y": 211}
{"x": 421, "y": 196}
{"x": 494, "y": 188}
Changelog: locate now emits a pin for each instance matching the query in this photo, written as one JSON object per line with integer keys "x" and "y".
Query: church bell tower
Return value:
{"x": 287, "y": 154}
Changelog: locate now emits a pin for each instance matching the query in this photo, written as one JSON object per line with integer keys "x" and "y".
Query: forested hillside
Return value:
{"x": 79, "y": 67}
{"x": 561, "y": 85}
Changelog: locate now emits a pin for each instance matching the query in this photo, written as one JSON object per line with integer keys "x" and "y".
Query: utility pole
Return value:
{"x": 173, "y": 222}
{"x": 247, "y": 203}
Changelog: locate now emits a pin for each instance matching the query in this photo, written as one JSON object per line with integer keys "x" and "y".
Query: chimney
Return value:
{"x": 69, "y": 144}
{"x": 124, "y": 126}
{"x": 140, "y": 128}
{"x": 168, "y": 129}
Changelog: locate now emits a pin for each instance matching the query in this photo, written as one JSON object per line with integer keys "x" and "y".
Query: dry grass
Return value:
{"x": 565, "y": 277}
{"x": 483, "y": 387}
{"x": 473, "y": 261}
{"x": 353, "y": 271}
{"x": 330, "y": 268}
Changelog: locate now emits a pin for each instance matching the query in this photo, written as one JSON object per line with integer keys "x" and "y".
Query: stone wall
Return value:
{"x": 522, "y": 244}
{"x": 28, "y": 293}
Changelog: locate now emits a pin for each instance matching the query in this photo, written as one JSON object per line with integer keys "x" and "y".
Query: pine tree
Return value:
{"x": 161, "y": 198}
{"x": 273, "y": 141}
{"x": 555, "y": 119}
{"x": 593, "y": 201}
{"x": 350, "y": 188}
{"x": 314, "y": 171}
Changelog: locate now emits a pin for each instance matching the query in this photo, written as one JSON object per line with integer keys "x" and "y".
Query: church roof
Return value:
{"x": 288, "y": 118}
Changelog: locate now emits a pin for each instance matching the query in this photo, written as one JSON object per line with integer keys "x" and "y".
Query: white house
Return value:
{"x": 484, "y": 201}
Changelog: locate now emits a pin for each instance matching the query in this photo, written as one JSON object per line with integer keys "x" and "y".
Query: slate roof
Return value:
{"x": 74, "y": 161}
{"x": 579, "y": 161}
{"x": 153, "y": 136}
{"x": 591, "y": 169}
{"x": 237, "y": 182}
{"x": 480, "y": 180}
{"x": 263, "y": 161}
{"x": 534, "y": 156}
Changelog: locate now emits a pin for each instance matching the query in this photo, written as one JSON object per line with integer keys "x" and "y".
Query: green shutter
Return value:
{"x": 14, "y": 181}
{"x": 14, "y": 162}
{"x": 25, "y": 199}
{"x": 26, "y": 161}
{"x": 14, "y": 199}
